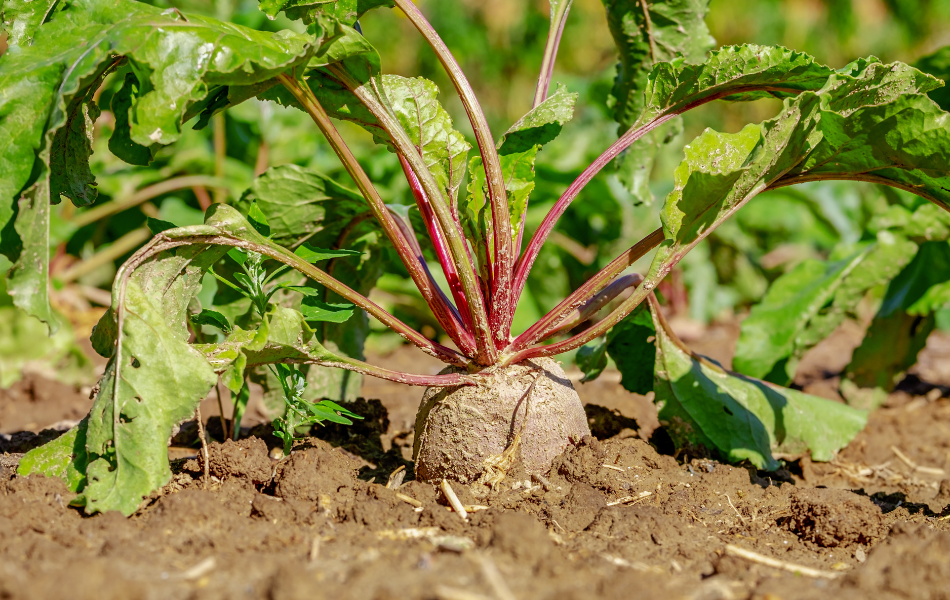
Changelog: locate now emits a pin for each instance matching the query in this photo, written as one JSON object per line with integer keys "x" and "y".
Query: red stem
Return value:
{"x": 546, "y": 325}
{"x": 438, "y": 242}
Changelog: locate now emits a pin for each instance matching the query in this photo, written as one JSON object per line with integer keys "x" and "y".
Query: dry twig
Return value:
{"x": 204, "y": 447}
{"x": 750, "y": 556}
{"x": 453, "y": 499}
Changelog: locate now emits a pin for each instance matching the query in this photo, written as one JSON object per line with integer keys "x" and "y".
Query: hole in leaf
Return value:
{"x": 728, "y": 412}
{"x": 135, "y": 363}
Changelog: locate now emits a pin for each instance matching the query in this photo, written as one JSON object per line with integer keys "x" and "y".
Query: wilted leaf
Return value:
{"x": 153, "y": 382}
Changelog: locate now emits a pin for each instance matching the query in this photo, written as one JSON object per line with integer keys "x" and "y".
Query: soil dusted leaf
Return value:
{"x": 875, "y": 124}
{"x": 21, "y": 19}
{"x": 64, "y": 457}
{"x": 648, "y": 32}
{"x": 740, "y": 417}
{"x": 302, "y": 204}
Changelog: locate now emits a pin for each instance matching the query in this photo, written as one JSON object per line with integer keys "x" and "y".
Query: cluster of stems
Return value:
{"x": 479, "y": 315}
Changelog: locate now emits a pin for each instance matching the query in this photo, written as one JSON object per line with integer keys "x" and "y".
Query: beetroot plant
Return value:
{"x": 501, "y": 391}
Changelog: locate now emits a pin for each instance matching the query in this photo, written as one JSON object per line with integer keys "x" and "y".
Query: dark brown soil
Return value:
{"x": 615, "y": 517}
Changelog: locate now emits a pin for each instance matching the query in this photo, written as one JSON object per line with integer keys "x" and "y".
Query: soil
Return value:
{"x": 618, "y": 516}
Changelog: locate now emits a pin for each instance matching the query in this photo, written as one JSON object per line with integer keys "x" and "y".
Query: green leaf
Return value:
{"x": 518, "y": 148}
{"x": 21, "y": 19}
{"x": 733, "y": 73}
{"x": 541, "y": 124}
{"x": 257, "y": 218}
{"x": 874, "y": 124}
{"x": 930, "y": 267}
{"x": 315, "y": 255}
{"x": 212, "y": 318}
{"x": 632, "y": 346}
{"x": 64, "y": 457}
{"x": 648, "y": 32}
{"x": 48, "y": 88}
{"x": 770, "y": 335}
{"x": 347, "y": 11}
{"x": 120, "y": 143}
{"x": 156, "y": 226}
{"x": 592, "y": 360}
{"x": 26, "y": 342}
{"x": 315, "y": 310}
{"x": 300, "y": 203}
{"x": 71, "y": 148}
{"x": 890, "y": 347}
{"x": 744, "y": 418}
{"x": 28, "y": 278}
{"x": 414, "y": 101}
{"x": 938, "y": 65}
{"x": 152, "y": 383}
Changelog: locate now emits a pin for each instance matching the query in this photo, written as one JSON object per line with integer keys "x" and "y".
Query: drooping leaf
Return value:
{"x": 71, "y": 148}
{"x": 153, "y": 382}
{"x": 301, "y": 204}
{"x": 744, "y": 418}
{"x": 632, "y": 346}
